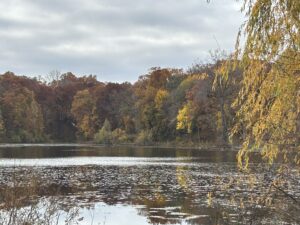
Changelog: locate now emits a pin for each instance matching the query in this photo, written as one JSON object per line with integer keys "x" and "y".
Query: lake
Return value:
{"x": 135, "y": 185}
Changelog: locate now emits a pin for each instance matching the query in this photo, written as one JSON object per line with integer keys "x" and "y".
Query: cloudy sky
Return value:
{"x": 116, "y": 40}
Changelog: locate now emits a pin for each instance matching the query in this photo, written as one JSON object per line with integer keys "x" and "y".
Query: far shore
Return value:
{"x": 204, "y": 146}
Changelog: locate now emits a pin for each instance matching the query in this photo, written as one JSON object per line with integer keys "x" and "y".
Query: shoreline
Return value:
{"x": 205, "y": 146}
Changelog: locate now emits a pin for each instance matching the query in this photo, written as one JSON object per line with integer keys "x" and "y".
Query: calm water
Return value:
{"x": 128, "y": 186}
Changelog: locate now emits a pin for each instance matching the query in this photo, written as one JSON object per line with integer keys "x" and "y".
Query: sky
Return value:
{"x": 117, "y": 40}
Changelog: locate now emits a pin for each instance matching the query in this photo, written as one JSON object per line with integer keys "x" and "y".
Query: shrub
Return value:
{"x": 119, "y": 136}
{"x": 144, "y": 137}
{"x": 104, "y": 136}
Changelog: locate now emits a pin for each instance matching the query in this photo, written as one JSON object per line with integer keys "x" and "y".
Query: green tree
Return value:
{"x": 104, "y": 136}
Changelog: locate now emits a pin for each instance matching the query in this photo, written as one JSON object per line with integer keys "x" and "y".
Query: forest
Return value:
{"x": 164, "y": 105}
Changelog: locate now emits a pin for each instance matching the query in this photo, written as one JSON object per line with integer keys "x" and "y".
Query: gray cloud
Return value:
{"x": 116, "y": 39}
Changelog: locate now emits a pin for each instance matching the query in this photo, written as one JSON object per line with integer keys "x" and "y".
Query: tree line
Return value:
{"x": 164, "y": 105}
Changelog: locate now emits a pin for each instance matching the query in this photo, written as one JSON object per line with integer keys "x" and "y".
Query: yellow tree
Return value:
{"x": 269, "y": 100}
{"x": 160, "y": 98}
{"x": 184, "y": 118}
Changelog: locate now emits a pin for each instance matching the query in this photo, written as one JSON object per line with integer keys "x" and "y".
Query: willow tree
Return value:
{"x": 269, "y": 100}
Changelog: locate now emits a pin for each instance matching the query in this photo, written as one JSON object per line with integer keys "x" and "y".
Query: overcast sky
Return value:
{"x": 117, "y": 40}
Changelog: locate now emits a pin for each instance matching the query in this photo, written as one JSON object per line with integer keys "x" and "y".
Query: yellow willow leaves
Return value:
{"x": 272, "y": 26}
{"x": 268, "y": 105}
{"x": 270, "y": 111}
{"x": 222, "y": 72}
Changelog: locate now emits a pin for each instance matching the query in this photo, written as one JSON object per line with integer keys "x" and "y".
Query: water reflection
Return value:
{"x": 38, "y": 152}
{"x": 136, "y": 186}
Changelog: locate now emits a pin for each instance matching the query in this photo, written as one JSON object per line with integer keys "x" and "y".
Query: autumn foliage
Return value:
{"x": 165, "y": 105}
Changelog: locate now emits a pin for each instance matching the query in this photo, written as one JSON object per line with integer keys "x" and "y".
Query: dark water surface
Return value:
{"x": 128, "y": 186}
